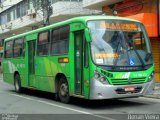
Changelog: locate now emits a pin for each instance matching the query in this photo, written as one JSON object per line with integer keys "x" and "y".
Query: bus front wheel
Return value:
{"x": 17, "y": 84}
{"x": 63, "y": 91}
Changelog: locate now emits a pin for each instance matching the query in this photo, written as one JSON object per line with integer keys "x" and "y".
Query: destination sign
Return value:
{"x": 119, "y": 26}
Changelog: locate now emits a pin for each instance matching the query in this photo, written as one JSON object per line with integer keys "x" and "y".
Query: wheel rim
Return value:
{"x": 64, "y": 90}
{"x": 16, "y": 85}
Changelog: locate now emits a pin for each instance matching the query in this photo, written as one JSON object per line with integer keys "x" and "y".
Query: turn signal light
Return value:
{"x": 63, "y": 60}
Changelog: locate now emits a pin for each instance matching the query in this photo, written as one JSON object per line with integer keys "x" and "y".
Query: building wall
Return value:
{"x": 7, "y": 4}
{"x": 62, "y": 10}
{"x": 156, "y": 55}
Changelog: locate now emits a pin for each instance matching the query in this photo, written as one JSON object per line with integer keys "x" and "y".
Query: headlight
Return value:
{"x": 96, "y": 75}
{"x": 151, "y": 77}
{"x": 100, "y": 78}
{"x": 103, "y": 80}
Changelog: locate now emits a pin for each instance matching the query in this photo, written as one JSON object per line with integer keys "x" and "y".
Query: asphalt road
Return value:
{"x": 36, "y": 105}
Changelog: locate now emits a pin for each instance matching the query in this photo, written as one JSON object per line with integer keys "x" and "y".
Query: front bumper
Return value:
{"x": 101, "y": 91}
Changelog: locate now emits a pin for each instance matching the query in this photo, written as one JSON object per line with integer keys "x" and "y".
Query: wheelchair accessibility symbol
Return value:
{"x": 131, "y": 62}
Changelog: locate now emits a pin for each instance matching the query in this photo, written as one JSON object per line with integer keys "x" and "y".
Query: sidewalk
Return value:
{"x": 156, "y": 93}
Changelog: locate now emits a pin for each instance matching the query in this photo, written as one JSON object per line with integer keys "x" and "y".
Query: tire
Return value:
{"x": 56, "y": 97}
{"x": 63, "y": 90}
{"x": 17, "y": 84}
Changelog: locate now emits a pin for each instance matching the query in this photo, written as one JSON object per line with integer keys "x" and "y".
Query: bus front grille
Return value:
{"x": 128, "y": 81}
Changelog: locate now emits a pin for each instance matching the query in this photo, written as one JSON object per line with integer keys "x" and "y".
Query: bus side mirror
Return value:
{"x": 88, "y": 35}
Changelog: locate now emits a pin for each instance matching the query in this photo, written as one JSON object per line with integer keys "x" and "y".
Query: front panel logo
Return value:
{"x": 126, "y": 75}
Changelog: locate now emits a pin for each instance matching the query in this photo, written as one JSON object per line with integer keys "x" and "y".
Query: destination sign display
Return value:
{"x": 119, "y": 26}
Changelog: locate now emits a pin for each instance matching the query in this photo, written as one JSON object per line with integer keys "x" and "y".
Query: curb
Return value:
{"x": 156, "y": 94}
{"x": 152, "y": 96}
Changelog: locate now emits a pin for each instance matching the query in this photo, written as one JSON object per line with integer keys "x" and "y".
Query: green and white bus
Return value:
{"x": 91, "y": 57}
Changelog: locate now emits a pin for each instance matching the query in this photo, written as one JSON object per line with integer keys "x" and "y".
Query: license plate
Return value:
{"x": 129, "y": 89}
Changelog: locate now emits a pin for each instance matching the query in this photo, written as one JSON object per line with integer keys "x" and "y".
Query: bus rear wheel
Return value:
{"x": 63, "y": 90}
{"x": 17, "y": 84}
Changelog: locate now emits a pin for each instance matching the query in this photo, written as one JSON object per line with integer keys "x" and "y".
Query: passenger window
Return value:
{"x": 60, "y": 40}
{"x": 18, "y": 50}
{"x": 9, "y": 49}
{"x": 43, "y": 43}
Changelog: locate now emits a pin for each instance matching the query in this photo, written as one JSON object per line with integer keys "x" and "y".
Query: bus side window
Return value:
{"x": 9, "y": 49}
{"x": 18, "y": 47}
{"x": 43, "y": 42}
{"x": 60, "y": 40}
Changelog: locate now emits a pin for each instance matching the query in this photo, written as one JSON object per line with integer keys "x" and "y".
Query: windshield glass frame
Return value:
{"x": 146, "y": 39}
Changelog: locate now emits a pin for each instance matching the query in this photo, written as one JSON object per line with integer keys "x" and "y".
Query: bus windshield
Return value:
{"x": 119, "y": 43}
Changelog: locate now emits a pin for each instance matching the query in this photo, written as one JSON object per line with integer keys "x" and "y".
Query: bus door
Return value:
{"x": 31, "y": 65}
{"x": 80, "y": 69}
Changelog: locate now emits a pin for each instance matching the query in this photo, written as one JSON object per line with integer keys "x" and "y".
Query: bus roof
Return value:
{"x": 83, "y": 19}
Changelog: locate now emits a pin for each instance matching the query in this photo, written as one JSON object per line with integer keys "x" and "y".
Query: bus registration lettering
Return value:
{"x": 129, "y": 89}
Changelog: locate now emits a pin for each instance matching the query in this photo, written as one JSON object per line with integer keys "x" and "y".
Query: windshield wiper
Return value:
{"x": 131, "y": 43}
{"x": 148, "y": 55}
{"x": 116, "y": 59}
{"x": 139, "y": 57}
